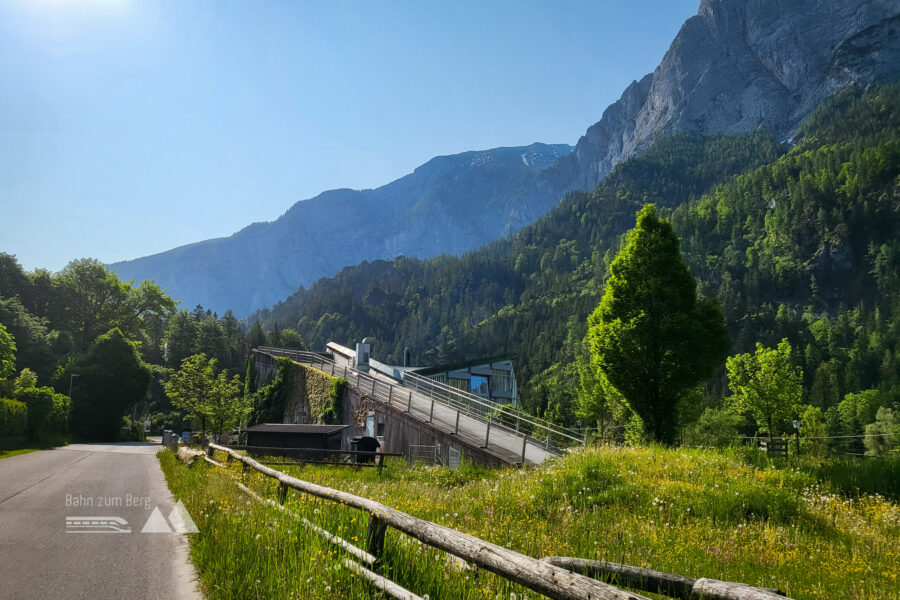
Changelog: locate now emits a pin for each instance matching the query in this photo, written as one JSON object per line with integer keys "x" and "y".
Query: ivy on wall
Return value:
{"x": 295, "y": 383}
{"x": 270, "y": 399}
{"x": 324, "y": 393}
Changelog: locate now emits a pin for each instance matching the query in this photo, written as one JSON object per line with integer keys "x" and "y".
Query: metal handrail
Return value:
{"x": 474, "y": 407}
{"x": 491, "y": 408}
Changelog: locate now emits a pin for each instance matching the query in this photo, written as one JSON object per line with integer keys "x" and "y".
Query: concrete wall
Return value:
{"x": 265, "y": 368}
{"x": 401, "y": 431}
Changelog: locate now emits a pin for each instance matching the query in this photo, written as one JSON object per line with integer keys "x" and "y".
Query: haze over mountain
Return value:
{"x": 448, "y": 205}
{"x": 734, "y": 67}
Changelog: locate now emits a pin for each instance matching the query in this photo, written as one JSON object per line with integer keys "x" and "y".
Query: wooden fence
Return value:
{"x": 542, "y": 576}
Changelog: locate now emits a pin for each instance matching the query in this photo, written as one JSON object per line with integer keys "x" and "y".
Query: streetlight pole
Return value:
{"x": 72, "y": 377}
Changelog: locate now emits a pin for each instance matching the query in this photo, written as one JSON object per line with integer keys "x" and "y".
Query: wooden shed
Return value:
{"x": 285, "y": 435}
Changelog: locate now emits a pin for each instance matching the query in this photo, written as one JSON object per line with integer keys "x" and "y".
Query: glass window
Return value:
{"x": 460, "y": 384}
{"x": 479, "y": 385}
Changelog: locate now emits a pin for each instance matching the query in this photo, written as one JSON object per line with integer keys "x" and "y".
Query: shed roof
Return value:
{"x": 297, "y": 428}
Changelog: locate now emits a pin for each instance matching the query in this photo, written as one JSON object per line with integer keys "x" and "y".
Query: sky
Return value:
{"x": 132, "y": 127}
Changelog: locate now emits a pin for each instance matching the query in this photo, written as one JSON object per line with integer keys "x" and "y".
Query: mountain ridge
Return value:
{"x": 735, "y": 67}
{"x": 267, "y": 261}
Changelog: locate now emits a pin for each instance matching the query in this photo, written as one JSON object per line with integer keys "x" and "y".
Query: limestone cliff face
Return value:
{"x": 735, "y": 66}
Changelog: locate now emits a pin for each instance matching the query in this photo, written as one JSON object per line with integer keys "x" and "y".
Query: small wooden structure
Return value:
{"x": 280, "y": 436}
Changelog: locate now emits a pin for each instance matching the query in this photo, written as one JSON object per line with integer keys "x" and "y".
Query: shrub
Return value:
{"x": 884, "y": 433}
{"x": 812, "y": 432}
{"x": 13, "y": 418}
{"x": 719, "y": 427}
{"x": 47, "y": 411}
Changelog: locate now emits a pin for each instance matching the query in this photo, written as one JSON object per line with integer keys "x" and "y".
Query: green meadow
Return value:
{"x": 813, "y": 531}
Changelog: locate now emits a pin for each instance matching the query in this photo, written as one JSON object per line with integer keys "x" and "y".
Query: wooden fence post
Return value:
{"x": 375, "y": 537}
{"x": 409, "y": 402}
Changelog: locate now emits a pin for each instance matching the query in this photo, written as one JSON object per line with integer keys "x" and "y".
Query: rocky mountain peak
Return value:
{"x": 739, "y": 65}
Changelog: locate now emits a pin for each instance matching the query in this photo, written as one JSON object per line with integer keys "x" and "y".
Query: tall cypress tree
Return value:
{"x": 651, "y": 336}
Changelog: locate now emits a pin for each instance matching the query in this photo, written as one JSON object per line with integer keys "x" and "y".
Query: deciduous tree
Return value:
{"x": 209, "y": 397}
{"x": 766, "y": 384}
{"x": 113, "y": 378}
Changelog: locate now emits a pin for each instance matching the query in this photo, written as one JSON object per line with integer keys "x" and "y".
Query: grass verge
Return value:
{"x": 692, "y": 512}
{"x": 32, "y": 447}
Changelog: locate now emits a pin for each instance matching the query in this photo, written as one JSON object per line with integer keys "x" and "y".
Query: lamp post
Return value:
{"x": 72, "y": 377}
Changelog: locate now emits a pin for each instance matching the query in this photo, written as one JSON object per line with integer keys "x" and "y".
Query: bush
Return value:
{"x": 812, "y": 432}
{"x": 47, "y": 411}
{"x": 884, "y": 433}
{"x": 13, "y": 418}
{"x": 719, "y": 427}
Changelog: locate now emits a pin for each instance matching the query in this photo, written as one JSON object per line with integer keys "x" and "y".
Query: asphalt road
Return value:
{"x": 46, "y": 552}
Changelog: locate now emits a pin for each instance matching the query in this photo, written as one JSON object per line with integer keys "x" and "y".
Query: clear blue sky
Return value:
{"x": 128, "y": 127}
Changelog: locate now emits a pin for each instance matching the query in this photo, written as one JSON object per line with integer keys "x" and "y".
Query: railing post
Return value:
{"x": 456, "y": 429}
{"x": 375, "y": 537}
{"x": 431, "y": 412}
{"x": 524, "y": 443}
{"x": 390, "y": 394}
{"x": 373, "y": 386}
{"x": 332, "y": 369}
{"x": 409, "y": 403}
{"x": 547, "y": 446}
{"x": 487, "y": 434}
{"x": 380, "y": 459}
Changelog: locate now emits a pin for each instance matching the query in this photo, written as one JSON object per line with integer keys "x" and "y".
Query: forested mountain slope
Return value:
{"x": 801, "y": 245}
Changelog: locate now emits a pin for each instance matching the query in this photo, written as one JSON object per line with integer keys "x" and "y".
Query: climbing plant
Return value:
{"x": 270, "y": 399}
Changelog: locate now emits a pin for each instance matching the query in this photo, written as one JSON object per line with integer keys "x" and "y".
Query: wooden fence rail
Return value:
{"x": 536, "y": 575}
{"x": 556, "y": 577}
{"x": 668, "y": 584}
